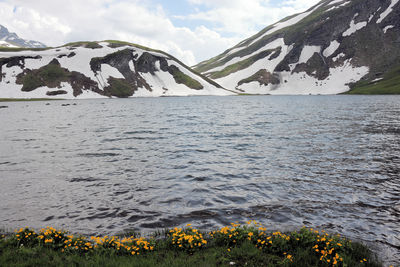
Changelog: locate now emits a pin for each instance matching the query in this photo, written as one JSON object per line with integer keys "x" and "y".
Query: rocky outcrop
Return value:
{"x": 51, "y": 76}
{"x": 263, "y": 77}
{"x": 121, "y": 60}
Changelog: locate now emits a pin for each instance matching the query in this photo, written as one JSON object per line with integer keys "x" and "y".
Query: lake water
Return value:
{"x": 105, "y": 166}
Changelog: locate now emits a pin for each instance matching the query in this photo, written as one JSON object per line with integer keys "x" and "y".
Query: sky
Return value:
{"x": 191, "y": 30}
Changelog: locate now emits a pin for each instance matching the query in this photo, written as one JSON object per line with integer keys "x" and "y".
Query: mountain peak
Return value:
{"x": 10, "y": 39}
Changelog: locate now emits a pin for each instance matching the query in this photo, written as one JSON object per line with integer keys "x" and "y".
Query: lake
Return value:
{"x": 106, "y": 166}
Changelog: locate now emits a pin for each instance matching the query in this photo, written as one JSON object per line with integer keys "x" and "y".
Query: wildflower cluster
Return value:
{"x": 188, "y": 239}
{"x": 52, "y": 238}
{"x": 274, "y": 243}
{"x": 26, "y": 237}
{"x": 77, "y": 244}
{"x": 328, "y": 248}
{"x": 235, "y": 234}
{"x": 321, "y": 248}
{"x": 127, "y": 245}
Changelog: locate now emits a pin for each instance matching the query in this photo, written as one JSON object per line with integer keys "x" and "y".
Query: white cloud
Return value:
{"x": 245, "y": 18}
{"x": 144, "y": 22}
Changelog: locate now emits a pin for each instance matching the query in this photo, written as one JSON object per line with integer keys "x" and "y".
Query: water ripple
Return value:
{"x": 329, "y": 162}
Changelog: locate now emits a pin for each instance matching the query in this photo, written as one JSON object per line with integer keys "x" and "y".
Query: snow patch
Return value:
{"x": 338, "y": 57}
{"x": 334, "y": 2}
{"x": 371, "y": 17}
{"x": 332, "y": 8}
{"x": 377, "y": 80}
{"x": 308, "y": 52}
{"x": 330, "y": 50}
{"x": 387, "y": 28}
{"x": 345, "y": 3}
{"x": 353, "y": 27}
{"x": 109, "y": 71}
{"x": 385, "y": 13}
{"x": 132, "y": 66}
{"x": 338, "y": 6}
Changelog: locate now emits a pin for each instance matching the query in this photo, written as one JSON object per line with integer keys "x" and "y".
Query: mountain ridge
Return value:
{"x": 98, "y": 69}
{"x": 327, "y": 49}
{"x": 10, "y": 39}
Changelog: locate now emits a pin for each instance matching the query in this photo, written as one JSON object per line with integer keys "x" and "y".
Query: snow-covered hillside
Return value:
{"x": 105, "y": 69}
{"x": 325, "y": 50}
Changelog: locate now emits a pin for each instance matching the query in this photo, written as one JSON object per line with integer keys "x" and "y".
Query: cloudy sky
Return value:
{"x": 191, "y": 30}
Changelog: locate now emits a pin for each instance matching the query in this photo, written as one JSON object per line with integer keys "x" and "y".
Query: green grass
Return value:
{"x": 50, "y": 75}
{"x": 242, "y": 245}
{"x": 86, "y": 44}
{"x": 182, "y": 78}
{"x": 389, "y": 85}
{"x": 119, "y": 88}
{"x": 241, "y": 65}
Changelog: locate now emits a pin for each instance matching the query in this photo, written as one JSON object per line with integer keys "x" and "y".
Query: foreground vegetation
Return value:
{"x": 239, "y": 245}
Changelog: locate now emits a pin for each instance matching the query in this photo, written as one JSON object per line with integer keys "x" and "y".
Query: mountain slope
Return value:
{"x": 8, "y": 39}
{"x": 98, "y": 69}
{"x": 325, "y": 50}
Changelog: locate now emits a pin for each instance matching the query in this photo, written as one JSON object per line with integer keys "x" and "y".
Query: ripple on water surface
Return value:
{"x": 106, "y": 166}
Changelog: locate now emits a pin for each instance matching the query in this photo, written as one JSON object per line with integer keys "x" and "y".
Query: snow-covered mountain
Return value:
{"x": 10, "y": 39}
{"x": 98, "y": 69}
{"x": 331, "y": 48}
